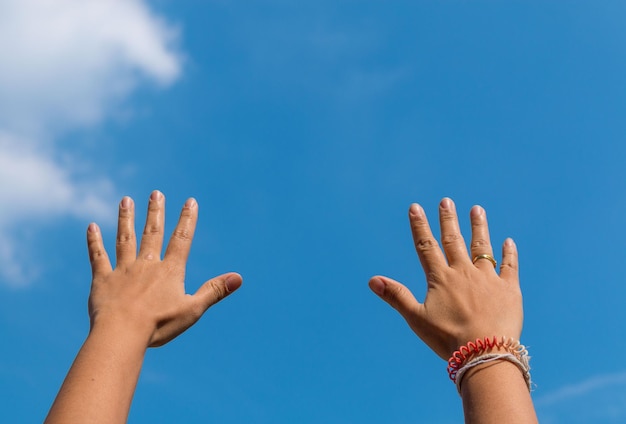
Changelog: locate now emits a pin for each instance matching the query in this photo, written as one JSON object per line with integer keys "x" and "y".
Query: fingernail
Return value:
{"x": 190, "y": 203}
{"x": 447, "y": 203}
{"x": 477, "y": 211}
{"x": 415, "y": 210}
{"x": 377, "y": 286}
{"x": 509, "y": 242}
{"x": 233, "y": 282}
{"x": 93, "y": 228}
{"x": 156, "y": 195}
{"x": 126, "y": 202}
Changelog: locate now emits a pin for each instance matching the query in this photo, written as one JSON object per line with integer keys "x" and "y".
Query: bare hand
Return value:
{"x": 145, "y": 292}
{"x": 464, "y": 300}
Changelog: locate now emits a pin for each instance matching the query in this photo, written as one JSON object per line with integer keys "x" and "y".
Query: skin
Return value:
{"x": 466, "y": 301}
{"x": 142, "y": 303}
{"x": 138, "y": 304}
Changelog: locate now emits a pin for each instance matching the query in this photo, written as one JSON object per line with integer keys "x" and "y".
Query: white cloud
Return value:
{"x": 597, "y": 399}
{"x": 66, "y": 61}
{"x": 67, "y": 64}
{"x": 582, "y": 388}
{"x": 35, "y": 183}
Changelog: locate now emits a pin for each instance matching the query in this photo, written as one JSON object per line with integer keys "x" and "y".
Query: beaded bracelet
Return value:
{"x": 475, "y": 353}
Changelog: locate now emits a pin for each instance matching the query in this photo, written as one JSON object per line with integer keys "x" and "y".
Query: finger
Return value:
{"x": 481, "y": 244}
{"x": 152, "y": 238}
{"x": 215, "y": 290}
{"x": 451, "y": 238}
{"x": 100, "y": 264}
{"x": 427, "y": 248}
{"x": 126, "y": 242}
{"x": 398, "y": 296}
{"x": 180, "y": 242}
{"x": 509, "y": 269}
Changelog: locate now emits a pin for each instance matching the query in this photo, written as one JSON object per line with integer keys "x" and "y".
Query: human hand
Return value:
{"x": 144, "y": 293}
{"x": 464, "y": 300}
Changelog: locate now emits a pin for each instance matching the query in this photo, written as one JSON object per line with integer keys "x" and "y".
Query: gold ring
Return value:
{"x": 488, "y": 257}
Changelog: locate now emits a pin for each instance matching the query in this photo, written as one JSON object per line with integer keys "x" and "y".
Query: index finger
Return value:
{"x": 180, "y": 243}
{"x": 431, "y": 256}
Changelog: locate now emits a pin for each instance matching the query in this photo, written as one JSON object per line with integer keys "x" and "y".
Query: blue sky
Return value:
{"x": 305, "y": 129}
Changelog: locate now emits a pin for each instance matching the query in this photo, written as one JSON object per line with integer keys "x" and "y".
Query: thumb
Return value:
{"x": 216, "y": 289}
{"x": 398, "y": 296}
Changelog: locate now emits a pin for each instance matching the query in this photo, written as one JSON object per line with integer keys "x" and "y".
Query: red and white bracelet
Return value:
{"x": 482, "y": 351}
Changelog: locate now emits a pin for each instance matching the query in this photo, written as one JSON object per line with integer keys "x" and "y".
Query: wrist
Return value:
{"x": 121, "y": 329}
{"x": 496, "y": 392}
{"x": 497, "y": 366}
{"x": 482, "y": 353}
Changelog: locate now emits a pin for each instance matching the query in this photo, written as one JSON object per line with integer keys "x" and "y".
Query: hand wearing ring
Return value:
{"x": 465, "y": 299}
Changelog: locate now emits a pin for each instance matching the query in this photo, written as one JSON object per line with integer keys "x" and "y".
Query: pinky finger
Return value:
{"x": 100, "y": 263}
{"x": 509, "y": 269}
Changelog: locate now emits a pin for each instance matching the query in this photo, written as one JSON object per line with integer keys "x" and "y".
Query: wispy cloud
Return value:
{"x": 597, "y": 399}
{"x": 67, "y": 64}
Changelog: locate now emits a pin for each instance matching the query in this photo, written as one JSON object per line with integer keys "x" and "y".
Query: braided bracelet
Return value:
{"x": 491, "y": 357}
{"x": 474, "y": 352}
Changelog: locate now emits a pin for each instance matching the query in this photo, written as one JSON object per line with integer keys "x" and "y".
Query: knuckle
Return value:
{"x": 419, "y": 225}
{"x": 451, "y": 239}
{"x": 426, "y": 244}
{"x": 125, "y": 213}
{"x": 182, "y": 234}
{"x": 218, "y": 289}
{"x": 154, "y": 205}
{"x": 447, "y": 216}
{"x": 479, "y": 244}
{"x": 396, "y": 291}
{"x": 96, "y": 254}
{"x": 509, "y": 265}
{"x": 394, "y": 296}
{"x": 124, "y": 238}
{"x": 95, "y": 249}
{"x": 152, "y": 229}
{"x": 186, "y": 213}
{"x": 173, "y": 270}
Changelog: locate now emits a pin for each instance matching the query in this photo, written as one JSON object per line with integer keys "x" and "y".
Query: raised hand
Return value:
{"x": 140, "y": 303}
{"x": 467, "y": 300}
{"x": 464, "y": 300}
{"x": 144, "y": 290}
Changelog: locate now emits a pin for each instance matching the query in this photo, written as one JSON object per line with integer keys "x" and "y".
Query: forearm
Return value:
{"x": 101, "y": 382}
{"x": 496, "y": 392}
